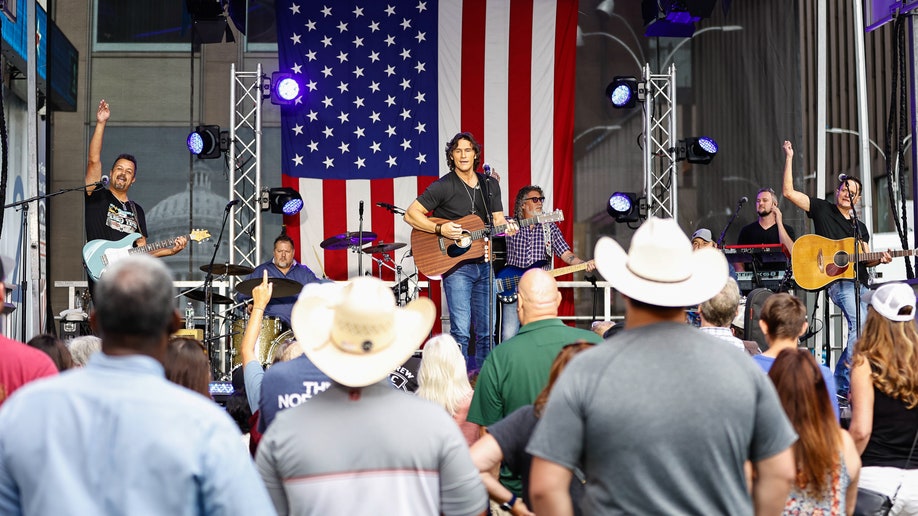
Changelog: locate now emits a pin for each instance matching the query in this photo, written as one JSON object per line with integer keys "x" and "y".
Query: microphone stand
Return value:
{"x": 209, "y": 298}
{"x": 720, "y": 241}
{"x": 360, "y": 241}
{"x": 857, "y": 273}
{"x": 23, "y": 243}
{"x": 489, "y": 227}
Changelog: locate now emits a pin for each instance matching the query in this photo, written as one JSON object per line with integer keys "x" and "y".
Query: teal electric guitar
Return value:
{"x": 99, "y": 254}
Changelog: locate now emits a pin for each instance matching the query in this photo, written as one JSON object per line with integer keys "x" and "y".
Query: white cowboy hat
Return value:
{"x": 660, "y": 267}
{"x": 354, "y": 333}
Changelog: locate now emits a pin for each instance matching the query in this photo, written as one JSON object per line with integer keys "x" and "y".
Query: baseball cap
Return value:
{"x": 890, "y": 299}
{"x": 704, "y": 234}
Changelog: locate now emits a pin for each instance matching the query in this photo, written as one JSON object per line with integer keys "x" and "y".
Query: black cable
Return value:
{"x": 4, "y": 148}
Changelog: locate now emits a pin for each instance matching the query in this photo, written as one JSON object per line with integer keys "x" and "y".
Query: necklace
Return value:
{"x": 469, "y": 191}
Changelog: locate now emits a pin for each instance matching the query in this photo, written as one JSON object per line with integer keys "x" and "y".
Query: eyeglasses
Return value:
{"x": 535, "y": 199}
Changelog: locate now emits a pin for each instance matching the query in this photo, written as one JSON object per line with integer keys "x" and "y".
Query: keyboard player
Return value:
{"x": 769, "y": 228}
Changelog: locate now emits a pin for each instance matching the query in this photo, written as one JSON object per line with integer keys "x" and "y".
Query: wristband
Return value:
{"x": 437, "y": 230}
{"x": 508, "y": 505}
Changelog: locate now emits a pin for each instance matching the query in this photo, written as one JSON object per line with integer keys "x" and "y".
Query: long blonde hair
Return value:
{"x": 442, "y": 378}
{"x": 889, "y": 347}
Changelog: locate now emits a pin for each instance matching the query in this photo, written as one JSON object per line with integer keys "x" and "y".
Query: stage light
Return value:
{"x": 699, "y": 150}
{"x": 623, "y": 92}
{"x": 207, "y": 141}
{"x": 624, "y": 207}
{"x": 286, "y": 87}
{"x": 285, "y": 200}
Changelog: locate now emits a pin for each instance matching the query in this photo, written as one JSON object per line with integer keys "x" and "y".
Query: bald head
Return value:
{"x": 539, "y": 296}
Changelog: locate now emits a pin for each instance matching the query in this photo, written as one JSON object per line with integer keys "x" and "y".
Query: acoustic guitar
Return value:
{"x": 99, "y": 254}
{"x": 818, "y": 261}
{"x": 436, "y": 255}
{"x": 508, "y": 279}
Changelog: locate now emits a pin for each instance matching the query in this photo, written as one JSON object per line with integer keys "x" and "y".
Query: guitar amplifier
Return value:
{"x": 767, "y": 279}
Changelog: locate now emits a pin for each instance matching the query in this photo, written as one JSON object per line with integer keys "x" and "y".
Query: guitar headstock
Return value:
{"x": 555, "y": 216}
{"x": 199, "y": 235}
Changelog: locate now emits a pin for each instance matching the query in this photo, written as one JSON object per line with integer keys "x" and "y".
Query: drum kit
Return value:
{"x": 272, "y": 335}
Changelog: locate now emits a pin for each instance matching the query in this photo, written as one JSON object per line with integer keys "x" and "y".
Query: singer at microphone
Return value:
{"x": 834, "y": 221}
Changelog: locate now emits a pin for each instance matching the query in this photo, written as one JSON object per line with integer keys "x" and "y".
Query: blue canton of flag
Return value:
{"x": 369, "y": 109}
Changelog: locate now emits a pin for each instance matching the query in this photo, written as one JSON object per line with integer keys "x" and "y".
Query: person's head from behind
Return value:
{"x": 83, "y": 347}
{"x": 783, "y": 317}
{"x": 442, "y": 376}
{"x": 54, "y": 348}
{"x": 720, "y": 310}
{"x": 187, "y": 365}
{"x": 889, "y": 342}
{"x": 134, "y": 307}
{"x": 805, "y": 397}
{"x": 557, "y": 366}
{"x": 539, "y": 297}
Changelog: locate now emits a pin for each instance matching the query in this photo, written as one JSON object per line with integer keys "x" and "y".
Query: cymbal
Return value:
{"x": 383, "y": 248}
{"x": 198, "y": 295}
{"x": 349, "y": 239}
{"x": 283, "y": 287}
{"x": 229, "y": 269}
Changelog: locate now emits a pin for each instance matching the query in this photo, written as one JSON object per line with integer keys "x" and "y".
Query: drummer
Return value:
{"x": 283, "y": 265}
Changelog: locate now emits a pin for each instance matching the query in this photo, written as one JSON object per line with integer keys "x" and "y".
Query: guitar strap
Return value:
{"x": 546, "y": 232}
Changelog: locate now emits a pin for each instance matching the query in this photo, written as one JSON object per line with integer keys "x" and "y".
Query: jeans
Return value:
{"x": 471, "y": 309}
{"x": 509, "y": 320}
{"x": 843, "y": 295}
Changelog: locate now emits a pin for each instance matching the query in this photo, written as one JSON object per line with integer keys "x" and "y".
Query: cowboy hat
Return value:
{"x": 660, "y": 267}
{"x": 354, "y": 333}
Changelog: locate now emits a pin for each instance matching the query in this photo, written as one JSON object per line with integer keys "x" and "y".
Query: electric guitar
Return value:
{"x": 508, "y": 279}
{"x": 99, "y": 254}
{"x": 436, "y": 255}
{"x": 818, "y": 261}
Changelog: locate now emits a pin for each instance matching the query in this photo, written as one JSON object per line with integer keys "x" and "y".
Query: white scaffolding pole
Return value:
{"x": 245, "y": 166}
{"x": 660, "y": 174}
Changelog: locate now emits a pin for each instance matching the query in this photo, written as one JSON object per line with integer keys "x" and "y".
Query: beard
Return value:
{"x": 764, "y": 213}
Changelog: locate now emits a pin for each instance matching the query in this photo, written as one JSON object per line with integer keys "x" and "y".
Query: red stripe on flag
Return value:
{"x": 519, "y": 96}
{"x": 565, "y": 58}
{"x": 473, "y": 68}
{"x": 334, "y": 193}
{"x": 382, "y": 190}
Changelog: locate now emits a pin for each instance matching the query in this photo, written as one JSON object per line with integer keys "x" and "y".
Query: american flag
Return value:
{"x": 390, "y": 81}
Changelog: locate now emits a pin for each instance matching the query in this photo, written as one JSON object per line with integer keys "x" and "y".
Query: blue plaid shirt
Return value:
{"x": 528, "y": 246}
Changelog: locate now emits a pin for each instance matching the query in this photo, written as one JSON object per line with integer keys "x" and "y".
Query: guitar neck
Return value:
{"x": 155, "y": 246}
{"x": 567, "y": 270}
{"x": 876, "y": 255}
{"x": 483, "y": 232}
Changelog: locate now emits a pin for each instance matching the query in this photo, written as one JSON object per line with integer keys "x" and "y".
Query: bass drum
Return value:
{"x": 280, "y": 348}
{"x": 270, "y": 328}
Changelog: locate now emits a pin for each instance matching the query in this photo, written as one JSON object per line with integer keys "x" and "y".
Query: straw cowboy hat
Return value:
{"x": 660, "y": 267}
{"x": 355, "y": 333}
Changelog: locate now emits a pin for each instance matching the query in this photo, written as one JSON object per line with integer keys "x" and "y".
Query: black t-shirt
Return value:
{"x": 450, "y": 198}
{"x": 830, "y": 223}
{"x": 107, "y": 218}
{"x": 893, "y": 433}
{"x": 754, "y": 234}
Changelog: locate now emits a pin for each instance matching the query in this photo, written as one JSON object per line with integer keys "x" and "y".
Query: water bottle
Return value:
{"x": 189, "y": 316}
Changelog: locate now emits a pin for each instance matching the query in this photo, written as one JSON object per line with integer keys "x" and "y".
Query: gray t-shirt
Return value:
{"x": 662, "y": 418}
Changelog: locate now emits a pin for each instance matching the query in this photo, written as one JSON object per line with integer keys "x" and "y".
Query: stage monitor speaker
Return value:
{"x": 754, "y": 303}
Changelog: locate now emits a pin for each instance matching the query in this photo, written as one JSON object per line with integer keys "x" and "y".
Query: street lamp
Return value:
{"x": 581, "y": 35}
{"x": 839, "y": 130}
{"x": 604, "y": 128}
{"x": 722, "y": 28}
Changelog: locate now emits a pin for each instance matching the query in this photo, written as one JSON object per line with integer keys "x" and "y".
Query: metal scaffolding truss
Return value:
{"x": 660, "y": 148}
{"x": 245, "y": 166}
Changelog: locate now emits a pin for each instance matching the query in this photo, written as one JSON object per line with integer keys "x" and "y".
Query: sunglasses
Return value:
{"x": 535, "y": 199}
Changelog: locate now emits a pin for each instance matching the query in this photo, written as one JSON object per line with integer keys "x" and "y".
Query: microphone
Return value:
{"x": 393, "y": 209}
{"x": 103, "y": 182}
{"x": 361, "y": 208}
{"x": 743, "y": 200}
{"x": 231, "y": 204}
{"x": 842, "y": 178}
{"x": 487, "y": 170}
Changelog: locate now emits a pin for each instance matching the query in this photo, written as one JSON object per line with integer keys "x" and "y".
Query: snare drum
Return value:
{"x": 270, "y": 328}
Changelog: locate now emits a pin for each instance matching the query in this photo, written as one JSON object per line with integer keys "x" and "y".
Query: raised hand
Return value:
{"x": 103, "y": 113}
